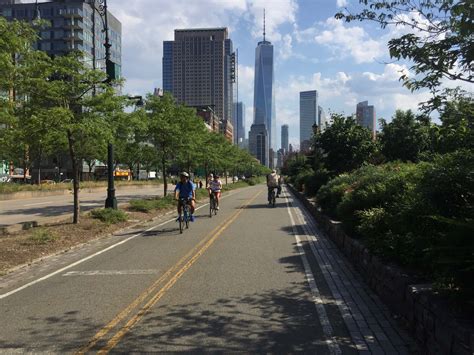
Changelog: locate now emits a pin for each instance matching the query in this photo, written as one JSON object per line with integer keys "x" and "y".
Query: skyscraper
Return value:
{"x": 264, "y": 92}
{"x": 74, "y": 25}
{"x": 167, "y": 65}
{"x": 199, "y": 61}
{"x": 284, "y": 138}
{"x": 239, "y": 123}
{"x": 365, "y": 116}
{"x": 321, "y": 118}
{"x": 308, "y": 117}
{"x": 258, "y": 143}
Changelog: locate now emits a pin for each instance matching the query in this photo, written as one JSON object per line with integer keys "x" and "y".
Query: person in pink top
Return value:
{"x": 215, "y": 187}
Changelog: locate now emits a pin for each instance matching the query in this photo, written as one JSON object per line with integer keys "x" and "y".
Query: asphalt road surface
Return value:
{"x": 251, "y": 279}
{"x": 47, "y": 207}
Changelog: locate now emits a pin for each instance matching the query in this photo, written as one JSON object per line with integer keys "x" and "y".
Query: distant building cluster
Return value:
{"x": 312, "y": 118}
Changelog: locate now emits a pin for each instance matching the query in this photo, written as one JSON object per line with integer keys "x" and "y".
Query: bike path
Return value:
{"x": 252, "y": 278}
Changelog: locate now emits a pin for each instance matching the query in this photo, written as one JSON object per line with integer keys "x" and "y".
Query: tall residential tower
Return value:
{"x": 284, "y": 138}
{"x": 308, "y": 117}
{"x": 239, "y": 123}
{"x": 199, "y": 61}
{"x": 73, "y": 25}
{"x": 366, "y": 116}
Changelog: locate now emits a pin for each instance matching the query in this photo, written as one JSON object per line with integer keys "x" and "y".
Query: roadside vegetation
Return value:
{"x": 408, "y": 195}
{"x": 60, "y": 110}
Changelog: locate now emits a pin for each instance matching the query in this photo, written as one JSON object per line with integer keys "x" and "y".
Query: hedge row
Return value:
{"x": 417, "y": 215}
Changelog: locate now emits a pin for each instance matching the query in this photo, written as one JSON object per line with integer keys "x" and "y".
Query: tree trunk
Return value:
{"x": 75, "y": 174}
{"x": 39, "y": 164}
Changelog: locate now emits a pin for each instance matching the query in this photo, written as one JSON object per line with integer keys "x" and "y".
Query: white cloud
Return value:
{"x": 341, "y": 3}
{"x": 350, "y": 41}
{"x": 280, "y": 12}
{"x": 286, "y": 48}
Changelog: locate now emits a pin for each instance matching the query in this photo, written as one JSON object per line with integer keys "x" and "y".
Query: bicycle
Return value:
{"x": 212, "y": 204}
{"x": 185, "y": 215}
{"x": 272, "y": 198}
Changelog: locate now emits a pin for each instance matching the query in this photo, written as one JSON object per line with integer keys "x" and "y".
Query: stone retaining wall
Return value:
{"x": 424, "y": 313}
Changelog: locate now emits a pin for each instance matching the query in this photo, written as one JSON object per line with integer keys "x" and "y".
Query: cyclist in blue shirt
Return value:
{"x": 186, "y": 189}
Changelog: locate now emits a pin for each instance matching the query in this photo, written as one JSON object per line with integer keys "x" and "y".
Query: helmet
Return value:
{"x": 274, "y": 171}
{"x": 211, "y": 175}
{"x": 185, "y": 174}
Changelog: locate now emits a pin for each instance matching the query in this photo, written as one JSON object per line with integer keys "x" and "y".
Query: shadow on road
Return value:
{"x": 276, "y": 321}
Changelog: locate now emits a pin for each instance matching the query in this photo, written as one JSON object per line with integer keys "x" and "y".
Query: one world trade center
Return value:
{"x": 262, "y": 135}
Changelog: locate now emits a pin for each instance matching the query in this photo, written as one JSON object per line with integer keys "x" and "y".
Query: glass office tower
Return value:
{"x": 264, "y": 92}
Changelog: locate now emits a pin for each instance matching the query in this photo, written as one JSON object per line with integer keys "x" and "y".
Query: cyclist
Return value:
{"x": 209, "y": 179}
{"x": 186, "y": 189}
{"x": 215, "y": 187}
{"x": 272, "y": 183}
{"x": 280, "y": 183}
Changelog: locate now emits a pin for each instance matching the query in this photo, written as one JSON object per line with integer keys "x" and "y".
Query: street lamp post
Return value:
{"x": 101, "y": 7}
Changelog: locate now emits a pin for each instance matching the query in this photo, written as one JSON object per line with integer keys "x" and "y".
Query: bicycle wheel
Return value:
{"x": 211, "y": 206}
{"x": 186, "y": 216}
{"x": 273, "y": 198}
{"x": 180, "y": 224}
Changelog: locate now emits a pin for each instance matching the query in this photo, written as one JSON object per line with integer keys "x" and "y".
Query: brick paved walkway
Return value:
{"x": 372, "y": 328}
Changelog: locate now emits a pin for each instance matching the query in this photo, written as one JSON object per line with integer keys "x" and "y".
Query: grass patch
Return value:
{"x": 148, "y": 205}
{"x": 109, "y": 215}
{"x": 42, "y": 236}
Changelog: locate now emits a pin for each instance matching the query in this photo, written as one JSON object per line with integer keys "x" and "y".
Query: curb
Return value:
{"x": 425, "y": 314}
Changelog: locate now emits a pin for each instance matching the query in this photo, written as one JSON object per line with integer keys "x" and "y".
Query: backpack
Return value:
{"x": 272, "y": 180}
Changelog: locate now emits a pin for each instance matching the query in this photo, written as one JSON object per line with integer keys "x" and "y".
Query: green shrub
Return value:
{"x": 302, "y": 177}
{"x": 312, "y": 183}
{"x": 109, "y": 215}
{"x": 42, "y": 236}
{"x": 374, "y": 186}
{"x": 255, "y": 180}
{"x": 418, "y": 215}
{"x": 331, "y": 194}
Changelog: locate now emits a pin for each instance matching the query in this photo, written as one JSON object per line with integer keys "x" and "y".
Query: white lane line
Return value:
{"x": 38, "y": 203}
{"x": 348, "y": 313}
{"x": 5, "y": 295}
{"x": 110, "y": 272}
{"x": 330, "y": 340}
{"x": 80, "y": 261}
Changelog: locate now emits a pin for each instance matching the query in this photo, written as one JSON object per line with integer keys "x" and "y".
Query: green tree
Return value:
{"x": 76, "y": 112}
{"x": 440, "y": 42}
{"x": 22, "y": 70}
{"x": 405, "y": 137}
{"x": 457, "y": 126}
{"x": 164, "y": 124}
{"x": 345, "y": 145}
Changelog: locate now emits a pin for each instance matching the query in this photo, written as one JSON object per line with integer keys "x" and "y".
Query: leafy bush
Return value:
{"x": 312, "y": 183}
{"x": 109, "y": 215}
{"x": 374, "y": 187}
{"x": 255, "y": 180}
{"x": 331, "y": 194}
{"x": 302, "y": 177}
{"x": 418, "y": 215}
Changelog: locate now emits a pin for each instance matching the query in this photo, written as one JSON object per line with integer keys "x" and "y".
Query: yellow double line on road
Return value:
{"x": 207, "y": 241}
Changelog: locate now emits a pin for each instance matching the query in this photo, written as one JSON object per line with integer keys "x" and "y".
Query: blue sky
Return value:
{"x": 346, "y": 63}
